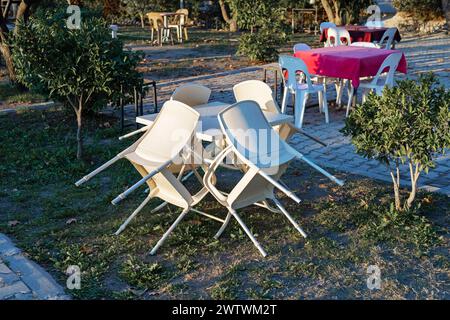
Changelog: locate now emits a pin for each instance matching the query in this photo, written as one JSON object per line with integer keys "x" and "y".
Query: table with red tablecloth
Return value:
{"x": 362, "y": 34}
{"x": 346, "y": 62}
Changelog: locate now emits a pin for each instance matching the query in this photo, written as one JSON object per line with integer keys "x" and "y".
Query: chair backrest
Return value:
{"x": 155, "y": 19}
{"x": 251, "y": 136}
{"x": 325, "y": 25}
{"x": 301, "y": 47}
{"x": 172, "y": 130}
{"x": 364, "y": 44}
{"x": 388, "y": 38}
{"x": 292, "y": 65}
{"x": 257, "y": 91}
{"x": 374, "y": 24}
{"x": 183, "y": 17}
{"x": 192, "y": 94}
{"x": 391, "y": 62}
{"x": 336, "y": 35}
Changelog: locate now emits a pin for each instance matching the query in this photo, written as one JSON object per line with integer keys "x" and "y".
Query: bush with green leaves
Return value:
{"x": 265, "y": 19}
{"x": 422, "y": 9}
{"x": 83, "y": 68}
{"x": 408, "y": 124}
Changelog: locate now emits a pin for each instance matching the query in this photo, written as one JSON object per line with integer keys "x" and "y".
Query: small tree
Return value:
{"x": 78, "y": 67}
{"x": 408, "y": 124}
{"x": 230, "y": 16}
{"x": 138, "y": 8}
{"x": 268, "y": 31}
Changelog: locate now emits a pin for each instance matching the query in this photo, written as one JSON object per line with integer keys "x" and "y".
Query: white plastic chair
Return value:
{"x": 159, "y": 154}
{"x": 377, "y": 84}
{"x": 387, "y": 40}
{"x": 374, "y": 24}
{"x": 192, "y": 94}
{"x": 326, "y": 25}
{"x": 301, "y": 47}
{"x": 301, "y": 91}
{"x": 364, "y": 44}
{"x": 335, "y": 36}
{"x": 250, "y": 138}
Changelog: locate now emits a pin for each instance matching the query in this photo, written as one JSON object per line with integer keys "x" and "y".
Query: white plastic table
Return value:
{"x": 209, "y": 127}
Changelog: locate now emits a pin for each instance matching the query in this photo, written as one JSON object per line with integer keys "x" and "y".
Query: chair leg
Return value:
{"x": 300, "y": 105}
{"x": 162, "y": 205}
{"x": 284, "y": 102}
{"x": 248, "y": 232}
{"x": 350, "y": 101}
{"x": 325, "y": 107}
{"x": 224, "y": 225}
{"x": 291, "y": 220}
{"x": 320, "y": 101}
{"x": 169, "y": 231}
{"x": 131, "y": 217}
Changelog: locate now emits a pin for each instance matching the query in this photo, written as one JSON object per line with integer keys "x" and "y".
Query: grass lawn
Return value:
{"x": 10, "y": 95}
{"x": 349, "y": 228}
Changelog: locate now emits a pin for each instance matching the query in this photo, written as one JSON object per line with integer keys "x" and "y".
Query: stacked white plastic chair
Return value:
{"x": 250, "y": 137}
{"x": 335, "y": 37}
{"x": 167, "y": 149}
{"x": 301, "y": 90}
{"x": 378, "y": 83}
{"x": 387, "y": 40}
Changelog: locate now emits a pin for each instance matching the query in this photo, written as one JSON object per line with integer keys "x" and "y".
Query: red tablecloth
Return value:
{"x": 346, "y": 62}
{"x": 362, "y": 34}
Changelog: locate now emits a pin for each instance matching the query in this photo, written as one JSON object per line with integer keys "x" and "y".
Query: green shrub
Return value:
{"x": 407, "y": 124}
{"x": 421, "y": 9}
{"x": 265, "y": 19}
{"x": 83, "y": 68}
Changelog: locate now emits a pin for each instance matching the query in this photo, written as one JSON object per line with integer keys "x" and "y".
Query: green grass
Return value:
{"x": 11, "y": 95}
{"x": 349, "y": 228}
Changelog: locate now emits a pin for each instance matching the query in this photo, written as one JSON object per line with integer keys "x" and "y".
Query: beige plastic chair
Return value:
{"x": 180, "y": 24}
{"x": 156, "y": 22}
{"x": 377, "y": 84}
{"x": 250, "y": 138}
{"x": 192, "y": 94}
{"x": 335, "y": 36}
{"x": 164, "y": 150}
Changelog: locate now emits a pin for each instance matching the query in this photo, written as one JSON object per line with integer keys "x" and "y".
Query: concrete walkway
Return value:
{"x": 22, "y": 279}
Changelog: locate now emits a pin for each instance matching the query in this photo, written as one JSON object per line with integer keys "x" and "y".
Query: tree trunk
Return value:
{"x": 79, "y": 132}
{"x": 415, "y": 173}
{"x": 396, "y": 181}
{"x": 232, "y": 22}
{"x": 446, "y": 10}
{"x": 333, "y": 16}
{"x": 142, "y": 20}
{"x": 5, "y": 49}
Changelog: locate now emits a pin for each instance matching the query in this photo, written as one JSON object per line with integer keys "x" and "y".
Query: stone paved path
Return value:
{"x": 431, "y": 53}
{"x": 22, "y": 279}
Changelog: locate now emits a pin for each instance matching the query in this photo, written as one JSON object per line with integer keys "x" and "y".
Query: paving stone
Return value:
{"x": 4, "y": 268}
{"x": 16, "y": 288}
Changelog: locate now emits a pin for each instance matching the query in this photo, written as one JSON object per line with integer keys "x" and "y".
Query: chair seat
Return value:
{"x": 151, "y": 163}
{"x": 315, "y": 87}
